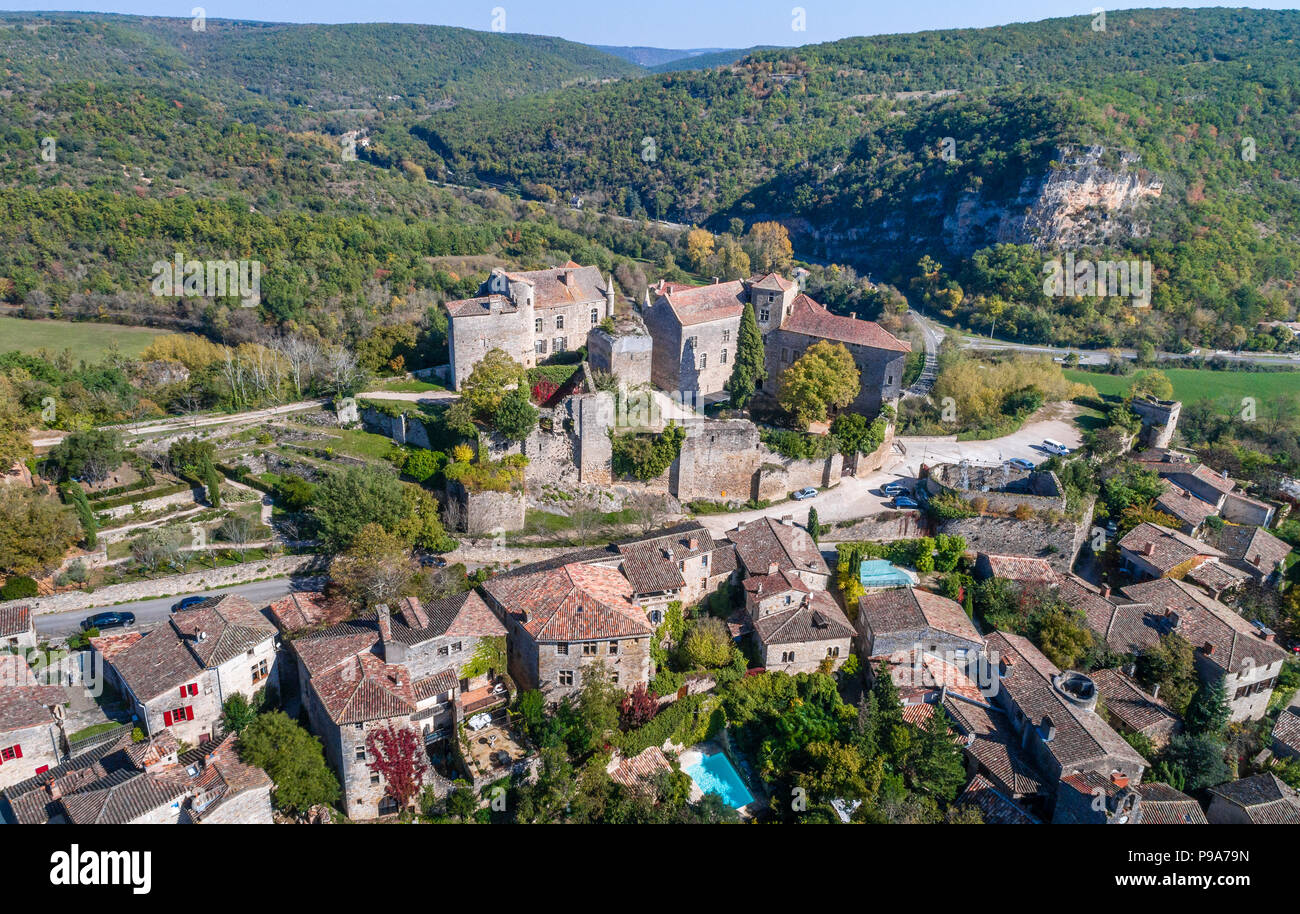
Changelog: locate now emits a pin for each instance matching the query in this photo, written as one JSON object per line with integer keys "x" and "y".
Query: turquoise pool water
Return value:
{"x": 882, "y": 573}
{"x": 714, "y": 774}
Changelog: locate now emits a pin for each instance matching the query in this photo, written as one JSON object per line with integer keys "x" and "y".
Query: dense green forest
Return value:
{"x": 312, "y": 149}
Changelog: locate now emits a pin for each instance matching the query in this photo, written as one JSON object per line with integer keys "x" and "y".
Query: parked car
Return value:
{"x": 807, "y": 492}
{"x": 1021, "y": 463}
{"x": 187, "y": 603}
{"x": 893, "y": 488}
{"x": 1052, "y": 446}
{"x": 436, "y": 561}
{"x": 102, "y": 621}
{"x": 903, "y": 501}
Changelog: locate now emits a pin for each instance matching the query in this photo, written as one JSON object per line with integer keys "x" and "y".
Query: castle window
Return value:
{"x": 590, "y": 649}
{"x": 692, "y": 342}
{"x": 889, "y": 379}
{"x": 537, "y": 325}
{"x": 787, "y": 656}
{"x": 764, "y": 316}
{"x": 832, "y": 651}
{"x": 540, "y": 347}
{"x": 785, "y": 355}
{"x": 724, "y": 357}
{"x": 595, "y": 317}
{"x": 559, "y": 322}
{"x": 361, "y": 753}
{"x": 562, "y": 648}
{"x": 726, "y": 336}
{"x": 559, "y": 344}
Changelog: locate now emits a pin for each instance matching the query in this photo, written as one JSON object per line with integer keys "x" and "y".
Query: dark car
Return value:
{"x": 902, "y": 501}
{"x": 1021, "y": 463}
{"x": 102, "y": 621}
{"x": 893, "y": 488}
{"x": 436, "y": 561}
{"x": 187, "y": 603}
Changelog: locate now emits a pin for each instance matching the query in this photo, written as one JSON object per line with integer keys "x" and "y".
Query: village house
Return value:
{"x": 414, "y": 670}
{"x": 1286, "y": 733}
{"x": 180, "y": 674}
{"x": 695, "y": 330}
{"x": 762, "y": 542}
{"x": 1133, "y": 710}
{"x": 561, "y": 621}
{"x": 1019, "y": 569}
{"x": 795, "y": 628}
{"x": 151, "y": 782}
{"x": 1191, "y": 512}
{"x": 531, "y": 316}
{"x": 995, "y": 807}
{"x": 31, "y": 731}
{"x": 1056, "y": 715}
{"x": 1227, "y": 646}
{"x": 1152, "y": 551}
{"x": 1215, "y": 488}
{"x": 1252, "y": 550}
{"x": 903, "y": 618}
{"x": 1087, "y": 798}
{"x": 17, "y": 628}
{"x": 684, "y": 564}
{"x": 1262, "y": 799}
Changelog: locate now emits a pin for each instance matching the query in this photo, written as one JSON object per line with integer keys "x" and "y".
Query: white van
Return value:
{"x": 1056, "y": 447}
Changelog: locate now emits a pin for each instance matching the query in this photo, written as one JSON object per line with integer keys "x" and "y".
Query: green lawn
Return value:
{"x": 1193, "y": 384}
{"x": 89, "y": 341}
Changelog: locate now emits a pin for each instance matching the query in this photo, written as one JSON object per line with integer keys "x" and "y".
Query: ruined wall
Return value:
{"x": 718, "y": 462}
{"x": 626, "y": 353}
{"x": 484, "y": 513}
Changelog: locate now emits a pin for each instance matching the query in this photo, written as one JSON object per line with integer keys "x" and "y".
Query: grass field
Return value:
{"x": 87, "y": 340}
{"x": 1194, "y": 384}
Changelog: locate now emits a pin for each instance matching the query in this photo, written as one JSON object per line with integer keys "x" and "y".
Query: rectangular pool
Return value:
{"x": 714, "y": 774}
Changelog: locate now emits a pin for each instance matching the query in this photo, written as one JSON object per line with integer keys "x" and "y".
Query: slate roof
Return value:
{"x": 1264, "y": 798}
{"x": 816, "y": 618}
{"x": 1200, "y": 618}
{"x": 15, "y": 620}
{"x": 1169, "y": 548}
{"x": 1081, "y": 736}
{"x": 809, "y": 318}
{"x": 905, "y": 609}
{"x": 994, "y": 805}
{"x": 1163, "y": 805}
{"x": 23, "y": 701}
{"x": 575, "y": 602}
{"x": 1129, "y": 704}
{"x": 701, "y": 304}
{"x": 1251, "y": 546}
{"x": 761, "y": 542}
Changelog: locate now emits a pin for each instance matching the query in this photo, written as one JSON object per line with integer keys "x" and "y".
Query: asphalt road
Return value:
{"x": 149, "y": 613}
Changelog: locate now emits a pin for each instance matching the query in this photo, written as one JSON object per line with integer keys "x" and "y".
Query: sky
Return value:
{"x": 662, "y": 23}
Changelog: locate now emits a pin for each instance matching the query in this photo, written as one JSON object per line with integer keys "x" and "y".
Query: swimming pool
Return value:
{"x": 883, "y": 573}
{"x": 714, "y": 774}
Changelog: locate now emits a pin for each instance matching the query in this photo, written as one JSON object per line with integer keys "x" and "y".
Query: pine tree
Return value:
{"x": 749, "y": 367}
{"x": 1208, "y": 712}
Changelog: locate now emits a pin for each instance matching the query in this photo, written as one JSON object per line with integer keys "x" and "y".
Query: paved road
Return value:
{"x": 930, "y": 370}
{"x": 860, "y": 496}
{"x": 149, "y": 613}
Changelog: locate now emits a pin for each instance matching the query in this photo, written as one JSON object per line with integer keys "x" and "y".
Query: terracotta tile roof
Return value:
{"x": 701, "y": 304}
{"x": 1199, "y": 618}
{"x": 440, "y": 683}
{"x": 1216, "y": 577}
{"x": 1251, "y": 546}
{"x": 222, "y": 628}
{"x": 809, "y": 318}
{"x": 1185, "y": 506}
{"x": 773, "y": 282}
{"x": 1182, "y": 472}
{"x": 364, "y": 688}
{"x": 15, "y": 620}
{"x": 991, "y": 740}
{"x": 917, "y": 673}
{"x": 157, "y": 663}
{"x": 762, "y": 542}
{"x": 305, "y": 609}
{"x": 572, "y": 603}
{"x": 904, "y": 609}
{"x": 1164, "y": 549}
{"x": 652, "y": 564}
{"x": 460, "y": 615}
{"x": 109, "y": 646}
{"x": 1264, "y": 799}
{"x": 994, "y": 805}
{"x": 23, "y": 701}
{"x": 1286, "y": 732}
{"x": 1021, "y": 568}
{"x": 329, "y": 648}
{"x": 817, "y": 618}
{"x": 569, "y": 284}
{"x": 1129, "y": 704}
{"x": 638, "y": 772}
{"x": 1081, "y": 736}
{"x": 1081, "y": 595}
{"x": 767, "y": 585}
{"x": 1163, "y": 805}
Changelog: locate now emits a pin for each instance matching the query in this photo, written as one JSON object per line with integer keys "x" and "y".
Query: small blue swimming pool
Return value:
{"x": 882, "y": 573}
{"x": 714, "y": 774}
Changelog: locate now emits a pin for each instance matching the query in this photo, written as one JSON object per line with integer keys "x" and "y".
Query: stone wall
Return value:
{"x": 484, "y": 513}
{"x": 718, "y": 462}
{"x": 174, "y": 584}
{"x": 626, "y": 353}
{"x": 193, "y": 496}
{"x": 804, "y": 656}
{"x": 631, "y": 664}
{"x": 779, "y": 476}
{"x": 402, "y": 429}
{"x": 252, "y": 807}
{"x": 883, "y": 527}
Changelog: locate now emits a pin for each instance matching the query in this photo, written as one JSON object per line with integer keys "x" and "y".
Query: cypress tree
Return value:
{"x": 749, "y": 367}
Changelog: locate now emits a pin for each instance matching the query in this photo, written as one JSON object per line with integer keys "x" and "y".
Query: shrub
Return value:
{"x": 646, "y": 456}
{"x": 19, "y": 587}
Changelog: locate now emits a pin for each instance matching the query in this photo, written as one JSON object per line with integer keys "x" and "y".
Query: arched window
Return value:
{"x": 387, "y": 806}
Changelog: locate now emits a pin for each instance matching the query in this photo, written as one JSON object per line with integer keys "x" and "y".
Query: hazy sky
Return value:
{"x": 662, "y": 23}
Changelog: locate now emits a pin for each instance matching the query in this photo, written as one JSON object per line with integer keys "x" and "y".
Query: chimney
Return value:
{"x": 1119, "y": 779}
{"x": 1208, "y": 648}
{"x": 1105, "y": 590}
{"x": 1255, "y": 559}
{"x": 56, "y": 792}
{"x": 385, "y": 623}
{"x": 1148, "y": 548}
{"x": 1155, "y": 693}
{"x": 772, "y": 568}
{"x": 694, "y": 543}
{"x": 787, "y": 520}
{"x": 200, "y": 636}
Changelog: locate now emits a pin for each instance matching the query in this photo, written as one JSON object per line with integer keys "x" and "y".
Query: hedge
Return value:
{"x": 678, "y": 722}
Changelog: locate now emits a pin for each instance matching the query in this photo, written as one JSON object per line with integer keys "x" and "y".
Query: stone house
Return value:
{"x": 1152, "y": 551}
{"x": 1088, "y": 798}
{"x": 904, "y": 618}
{"x": 1055, "y": 715}
{"x": 1259, "y": 800}
{"x": 763, "y": 542}
{"x": 151, "y": 782}
{"x": 879, "y": 355}
{"x": 1020, "y": 569}
{"x": 1286, "y": 733}
{"x": 405, "y": 670}
{"x": 1133, "y": 710}
{"x": 31, "y": 731}
{"x": 563, "y": 620}
{"x": 1190, "y": 511}
{"x": 683, "y": 564}
{"x": 995, "y": 807}
{"x": 795, "y": 628}
{"x": 179, "y": 675}
{"x": 1253, "y": 550}
{"x": 695, "y": 331}
{"x": 17, "y": 628}
{"x": 531, "y": 316}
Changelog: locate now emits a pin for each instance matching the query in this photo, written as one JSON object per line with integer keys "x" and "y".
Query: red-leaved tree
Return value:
{"x": 398, "y": 756}
{"x": 638, "y": 707}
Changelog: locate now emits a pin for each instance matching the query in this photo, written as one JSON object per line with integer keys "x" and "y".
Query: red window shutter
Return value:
{"x": 194, "y": 688}
{"x": 189, "y": 712}
{"x": 42, "y": 769}
{"x": 182, "y": 691}
{"x": 167, "y": 718}
{"x": 18, "y": 751}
